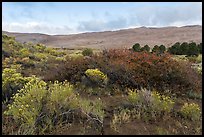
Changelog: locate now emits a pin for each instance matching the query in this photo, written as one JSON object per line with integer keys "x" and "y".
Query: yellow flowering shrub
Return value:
{"x": 191, "y": 111}
{"x": 40, "y": 106}
{"x": 28, "y": 103}
{"x": 151, "y": 101}
{"x": 12, "y": 81}
{"x": 62, "y": 95}
{"x": 96, "y": 75}
{"x": 134, "y": 97}
{"x": 24, "y": 52}
{"x": 161, "y": 102}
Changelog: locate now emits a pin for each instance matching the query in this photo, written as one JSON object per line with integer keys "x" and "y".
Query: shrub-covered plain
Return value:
{"x": 115, "y": 91}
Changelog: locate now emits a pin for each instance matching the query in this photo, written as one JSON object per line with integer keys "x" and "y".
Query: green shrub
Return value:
{"x": 93, "y": 108}
{"x": 87, "y": 52}
{"x": 192, "y": 49}
{"x": 200, "y": 47}
{"x": 62, "y": 96}
{"x": 145, "y": 48}
{"x": 156, "y": 49}
{"x": 151, "y": 102}
{"x": 162, "y": 48}
{"x": 40, "y": 47}
{"x": 191, "y": 111}
{"x": 136, "y": 47}
{"x": 175, "y": 49}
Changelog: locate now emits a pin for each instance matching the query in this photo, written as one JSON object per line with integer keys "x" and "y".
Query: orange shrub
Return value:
{"x": 143, "y": 69}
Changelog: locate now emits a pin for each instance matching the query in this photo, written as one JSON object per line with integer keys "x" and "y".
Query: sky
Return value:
{"x": 56, "y": 18}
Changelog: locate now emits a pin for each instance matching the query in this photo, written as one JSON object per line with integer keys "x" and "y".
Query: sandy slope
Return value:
{"x": 116, "y": 39}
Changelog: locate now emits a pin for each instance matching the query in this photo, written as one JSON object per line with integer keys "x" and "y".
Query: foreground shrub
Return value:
{"x": 62, "y": 96}
{"x": 191, "y": 111}
{"x": 39, "y": 106}
{"x": 121, "y": 117}
{"x": 28, "y": 103}
{"x": 151, "y": 102}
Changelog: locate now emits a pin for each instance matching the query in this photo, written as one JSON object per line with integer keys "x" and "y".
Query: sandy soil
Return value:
{"x": 116, "y": 39}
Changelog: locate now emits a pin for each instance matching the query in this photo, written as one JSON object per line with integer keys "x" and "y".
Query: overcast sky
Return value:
{"x": 78, "y": 17}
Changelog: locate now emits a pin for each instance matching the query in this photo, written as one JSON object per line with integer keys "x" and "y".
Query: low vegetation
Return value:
{"x": 116, "y": 91}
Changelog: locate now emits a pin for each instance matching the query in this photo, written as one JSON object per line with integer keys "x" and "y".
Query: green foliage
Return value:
{"x": 162, "y": 48}
{"x": 62, "y": 96}
{"x": 151, "y": 101}
{"x": 175, "y": 49}
{"x": 40, "y": 47}
{"x": 145, "y": 48}
{"x": 87, "y": 52}
{"x": 191, "y": 111}
{"x": 193, "y": 49}
{"x": 189, "y": 49}
{"x": 40, "y": 56}
{"x": 93, "y": 107}
{"x": 194, "y": 95}
{"x": 156, "y": 49}
{"x": 200, "y": 47}
{"x": 184, "y": 48}
{"x": 136, "y": 47}
{"x": 24, "y": 52}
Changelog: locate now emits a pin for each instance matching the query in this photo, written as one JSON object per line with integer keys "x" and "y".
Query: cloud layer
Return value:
{"x": 149, "y": 15}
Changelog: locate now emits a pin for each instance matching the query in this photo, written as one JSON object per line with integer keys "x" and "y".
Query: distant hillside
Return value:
{"x": 116, "y": 39}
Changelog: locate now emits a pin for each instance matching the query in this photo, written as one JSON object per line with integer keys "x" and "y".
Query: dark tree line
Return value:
{"x": 189, "y": 49}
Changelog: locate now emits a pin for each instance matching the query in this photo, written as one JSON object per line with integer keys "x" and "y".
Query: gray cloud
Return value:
{"x": 34, "y": 27}
{"x": 98, "y": 25}
{"x": 165, "y": 16}
{"x": 148, "y": 15}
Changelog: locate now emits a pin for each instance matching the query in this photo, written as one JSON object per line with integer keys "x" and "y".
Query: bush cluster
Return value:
{"x": 132, "y": 69}
{"x": 142, "y": 69}
{"x": 72, "y": 70}
{"x": 40, "y": 106}
{"x": 87, "y": 52}
{"x": 151, "y": 101}
{"x": 96, "y": 76}
{"x": 189, "y": 49}
{"x": 12, "y": 81}
{"x": 156, "y": 49}
{"x": 191, "y": 111}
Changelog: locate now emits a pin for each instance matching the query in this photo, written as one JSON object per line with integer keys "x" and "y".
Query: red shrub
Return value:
{"x": 71, "y": 70}
{"x": 143, "y": 69}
